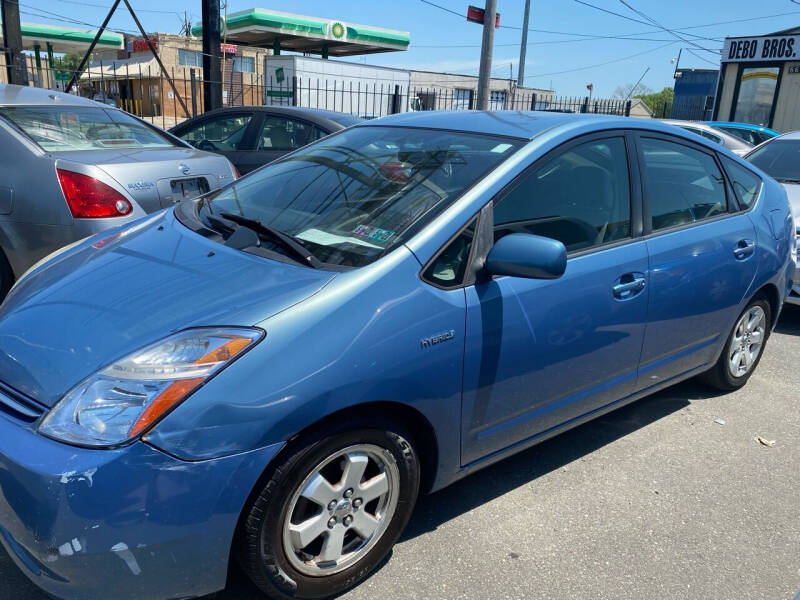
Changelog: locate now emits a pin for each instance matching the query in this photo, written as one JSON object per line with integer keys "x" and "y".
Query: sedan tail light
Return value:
{"x": 89, "y": 198}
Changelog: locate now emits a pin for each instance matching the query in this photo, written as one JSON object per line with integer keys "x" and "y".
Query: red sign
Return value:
{"x": 477, "y": 15}
{"x": 141, "y": 45}
{"x": 228, "y": 48}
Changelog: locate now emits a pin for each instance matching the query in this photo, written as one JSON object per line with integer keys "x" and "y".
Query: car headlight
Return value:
{"x": 126, "y": 398}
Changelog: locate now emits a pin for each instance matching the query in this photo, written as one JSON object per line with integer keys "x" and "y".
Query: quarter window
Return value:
{"x": 683, "y": 185}
{"x": 746, "y": 184}
{"x": 449, "y": 267}
{"x": 581, "y": 198}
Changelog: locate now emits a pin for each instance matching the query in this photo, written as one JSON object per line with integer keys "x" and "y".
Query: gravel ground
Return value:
{"x": 655, "y": 500}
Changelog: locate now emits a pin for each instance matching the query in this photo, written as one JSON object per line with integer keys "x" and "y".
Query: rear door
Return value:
{"x": 701, "y": 250}
{"x": 277, "y": 135}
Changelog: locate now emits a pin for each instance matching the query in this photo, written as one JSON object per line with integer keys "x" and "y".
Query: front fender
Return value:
{"x": 357, "y": 341}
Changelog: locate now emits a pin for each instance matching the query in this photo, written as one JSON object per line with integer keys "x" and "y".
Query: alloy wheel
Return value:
{"x": 747, "y": 341}
{"x": 341, "y": 509}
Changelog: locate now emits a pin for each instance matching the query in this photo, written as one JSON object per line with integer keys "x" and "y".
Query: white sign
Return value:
{"x": 762, "y": 49}
{"x": 170, "y": 94}
{"x": 224, "y": 96}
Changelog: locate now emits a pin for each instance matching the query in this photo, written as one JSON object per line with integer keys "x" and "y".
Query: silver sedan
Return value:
{"x": 726, "y": 140}
{"x": 780, "y": 158}
{"x": 73, "y": 167}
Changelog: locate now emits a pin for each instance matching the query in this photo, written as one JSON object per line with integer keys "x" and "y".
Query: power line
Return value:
{"x": 602, "y": 64}
{"x": 458, "y": 14}
{"x": 108, "y": 6}
{"x": 657, "y": 24}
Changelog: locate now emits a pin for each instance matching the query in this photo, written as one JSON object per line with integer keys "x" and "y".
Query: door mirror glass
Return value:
{"x": 527, "y": 255}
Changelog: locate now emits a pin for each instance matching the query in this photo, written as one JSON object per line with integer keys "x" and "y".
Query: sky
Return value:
{"x": 571, "y": 45}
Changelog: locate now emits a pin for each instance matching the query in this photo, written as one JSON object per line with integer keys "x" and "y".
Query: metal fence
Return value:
{"x": 143, "y": 90}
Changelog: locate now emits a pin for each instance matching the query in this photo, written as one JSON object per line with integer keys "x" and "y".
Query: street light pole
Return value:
{"x": 212, "y": 69}
{"x": 487, "y": 46}
{"x": 524, "y": 45}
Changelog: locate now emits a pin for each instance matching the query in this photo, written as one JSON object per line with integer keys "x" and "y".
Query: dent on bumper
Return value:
{"x": 131, "y": 523}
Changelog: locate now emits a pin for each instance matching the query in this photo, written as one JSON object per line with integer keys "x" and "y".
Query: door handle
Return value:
{"x": 629, "y": 286}
{"x": 744, "y": 249}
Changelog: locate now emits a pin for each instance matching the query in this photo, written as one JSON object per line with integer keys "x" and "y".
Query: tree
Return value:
{"x": 68, "y": 62}
{"x": 627, "y": 91}
{"x": 659, "y": 102}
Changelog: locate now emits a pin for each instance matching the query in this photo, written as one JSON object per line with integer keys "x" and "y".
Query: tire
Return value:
{"x": 6, "y": 276}
{"x": 721, "y": 376}
{"x": 269, "y": 535}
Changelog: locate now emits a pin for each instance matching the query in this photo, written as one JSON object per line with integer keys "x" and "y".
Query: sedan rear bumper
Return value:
{"x": 131, "y": 523}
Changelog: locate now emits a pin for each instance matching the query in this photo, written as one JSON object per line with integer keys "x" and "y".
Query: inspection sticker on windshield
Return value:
{"x": 500, "y": 148}
{"x": 375, "y": 234}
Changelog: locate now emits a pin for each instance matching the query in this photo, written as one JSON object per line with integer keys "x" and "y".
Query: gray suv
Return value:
{"x": 72, "y": 167}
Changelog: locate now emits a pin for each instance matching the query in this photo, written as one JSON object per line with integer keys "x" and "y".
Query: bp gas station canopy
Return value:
{"x": 283, "y": 31}
{"x": 65, "y": 39}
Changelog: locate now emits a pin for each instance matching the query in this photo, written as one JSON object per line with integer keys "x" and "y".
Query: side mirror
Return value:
{"x": 527, "y": 255}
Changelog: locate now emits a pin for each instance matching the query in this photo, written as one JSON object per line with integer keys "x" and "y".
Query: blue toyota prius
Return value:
{"x": 274, "y": 372}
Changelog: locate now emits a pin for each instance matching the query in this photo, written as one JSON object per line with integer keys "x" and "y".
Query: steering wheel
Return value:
{"x": 206, "y": 145}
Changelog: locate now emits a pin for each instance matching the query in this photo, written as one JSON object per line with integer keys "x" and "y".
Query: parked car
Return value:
{"x": 274, "y": 372}
{"x": 72, "y": 167}
{"x": 252, "y": 136}
{"x": 727, "y": 141}
{"x": 780, "y": 158}
{"x": 751, "y": 134}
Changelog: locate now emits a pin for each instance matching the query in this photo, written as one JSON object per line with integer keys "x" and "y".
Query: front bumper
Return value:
{"x": 129, "y": 524}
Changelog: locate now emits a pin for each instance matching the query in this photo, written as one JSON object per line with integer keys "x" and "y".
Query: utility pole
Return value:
{"x": 524, "y": 47}
{"x": 487, "y": 47}
{"x": 212, "y": 69}
{"x": 12, "y": 39}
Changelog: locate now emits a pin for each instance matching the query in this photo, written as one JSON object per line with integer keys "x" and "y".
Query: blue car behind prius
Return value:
{"x": 272, "y": 373}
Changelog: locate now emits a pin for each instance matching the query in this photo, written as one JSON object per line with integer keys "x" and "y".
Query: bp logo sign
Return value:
{"x": 337, "y": 29}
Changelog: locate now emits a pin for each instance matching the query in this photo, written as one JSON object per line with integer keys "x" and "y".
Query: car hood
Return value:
{"x": 146, "y": 174}
{"x": 793, "y": 191}
{"x": 118, "y": 292}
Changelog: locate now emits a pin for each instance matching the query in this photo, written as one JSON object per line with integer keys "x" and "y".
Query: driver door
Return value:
{"x": 227, "y": 133}
{"x": 541, "y": 353}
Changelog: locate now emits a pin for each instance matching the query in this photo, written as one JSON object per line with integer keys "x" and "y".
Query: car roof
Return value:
{"x": 737, "y": 125}
{"x": 508, "y": 123}
{"x": 312, "y": 114}
{"x": 20, "y": 95}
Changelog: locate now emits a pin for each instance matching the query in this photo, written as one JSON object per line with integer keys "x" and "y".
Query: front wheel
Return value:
{"x": 330, "y": 512}
{"x": 744, "y": 347}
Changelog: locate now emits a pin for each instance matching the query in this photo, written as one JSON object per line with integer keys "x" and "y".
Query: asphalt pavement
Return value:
{"x": 672, "y": 497}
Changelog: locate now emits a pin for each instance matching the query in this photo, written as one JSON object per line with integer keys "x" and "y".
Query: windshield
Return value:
{"x": 355, "y": 195}
{"x": 778, "y": 158}
{"x": 67, "y": 128}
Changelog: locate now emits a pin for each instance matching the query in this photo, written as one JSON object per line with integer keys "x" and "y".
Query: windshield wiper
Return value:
{"x": 282, "y": 239}
{"x": 788, "y": 179}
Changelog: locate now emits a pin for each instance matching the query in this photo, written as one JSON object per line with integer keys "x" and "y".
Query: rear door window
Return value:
{"x": 280, "y": 133}
{"x": 682, "y": 185}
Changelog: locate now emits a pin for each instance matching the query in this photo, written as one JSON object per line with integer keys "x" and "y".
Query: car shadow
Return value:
{"x": 789, "y": 321}
{"x": 520, "y": 469}
{"x": 525, "y": 467}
